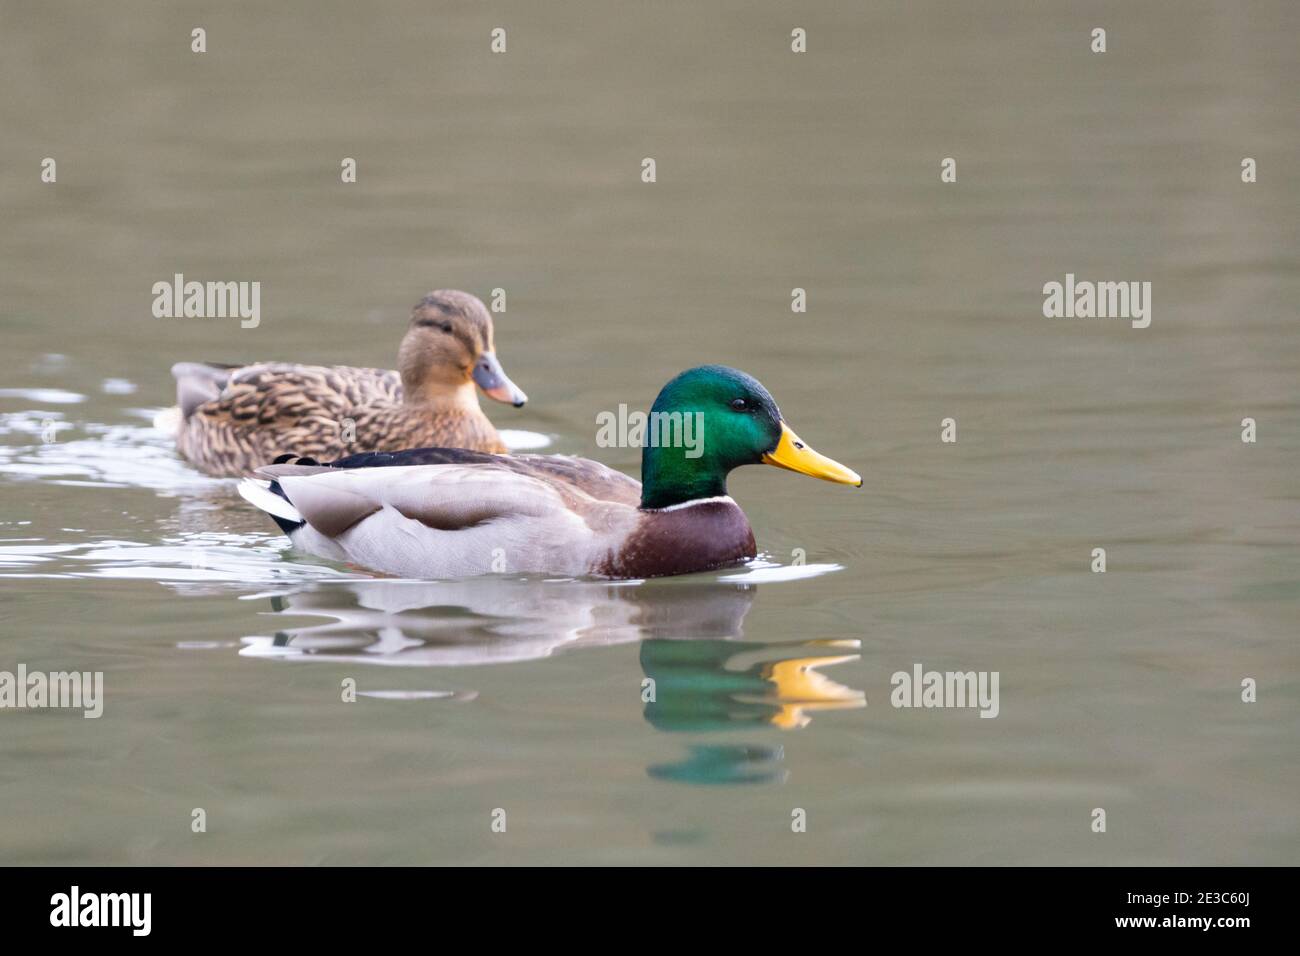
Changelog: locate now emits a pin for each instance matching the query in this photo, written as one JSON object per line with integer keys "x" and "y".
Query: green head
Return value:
{"x": 709, "y": 420}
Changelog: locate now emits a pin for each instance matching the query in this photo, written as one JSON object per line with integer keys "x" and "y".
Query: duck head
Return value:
{"x": 449, "y": 349}
{"x": 713, "y": 419}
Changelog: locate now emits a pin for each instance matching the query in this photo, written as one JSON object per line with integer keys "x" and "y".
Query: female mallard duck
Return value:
{"x": 234, "y": 418}
{"x": 442, "y": 513}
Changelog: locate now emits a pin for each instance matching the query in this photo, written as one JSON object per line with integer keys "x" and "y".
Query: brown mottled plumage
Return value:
{"x": 235, "y": 418}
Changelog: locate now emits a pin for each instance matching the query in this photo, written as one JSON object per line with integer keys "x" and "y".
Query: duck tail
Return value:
{"x": 267, "y": 495}
{"x": 199, "y": 382}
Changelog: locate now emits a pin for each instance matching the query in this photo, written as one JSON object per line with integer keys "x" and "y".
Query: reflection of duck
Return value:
{"x": 716, "y": 685}
{"x": 724, "y": 764}
{"x": 447, "y": 513}
{"x": 233, "y": 418}
{"x": 702, "y": 677}
{"x": 493, "y": 620}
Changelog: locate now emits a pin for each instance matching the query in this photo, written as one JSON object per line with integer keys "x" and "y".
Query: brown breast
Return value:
{"x": 698, "y": 537}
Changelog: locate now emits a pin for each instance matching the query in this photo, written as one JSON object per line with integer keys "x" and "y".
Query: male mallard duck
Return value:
{"x": 442, "y": 513}
{"x": 234, "y": 418}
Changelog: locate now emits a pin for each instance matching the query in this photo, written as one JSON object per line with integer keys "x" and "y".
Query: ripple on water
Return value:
{"x": 766, "y": 572}
{"x": 108, "y": 456}
{"x": 224, "y": 559}
{"x": 517, "y": 439}
{"x": 48, "y": 396}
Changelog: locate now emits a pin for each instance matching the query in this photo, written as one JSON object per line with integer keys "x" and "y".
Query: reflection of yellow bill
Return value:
{"x": 793, "y": 454}
{"x": 800, "y": 687}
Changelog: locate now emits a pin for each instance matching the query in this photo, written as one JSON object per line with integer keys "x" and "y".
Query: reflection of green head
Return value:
{"x": 733, "y": 422}
{"x": 724, "y": 764}
{"x": 718, "y": 685}
{"x": 696, "y": 691}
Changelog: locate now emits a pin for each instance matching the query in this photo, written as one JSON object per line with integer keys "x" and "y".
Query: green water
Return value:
{"x": 225, "y": 656}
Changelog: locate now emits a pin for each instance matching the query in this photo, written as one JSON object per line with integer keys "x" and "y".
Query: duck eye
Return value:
{"x": 739, "y": 404}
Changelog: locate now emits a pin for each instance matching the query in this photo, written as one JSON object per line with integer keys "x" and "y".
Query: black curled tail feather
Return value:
{"x": 284, "y": 524}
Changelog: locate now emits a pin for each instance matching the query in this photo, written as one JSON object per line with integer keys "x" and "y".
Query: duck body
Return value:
{"x": 261, "y": 411}
{"x": 449, "y": 513}
{"x": 234, "y": 418}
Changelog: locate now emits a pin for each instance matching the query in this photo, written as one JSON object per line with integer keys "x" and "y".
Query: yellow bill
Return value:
{"x": 793, "y": 454}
